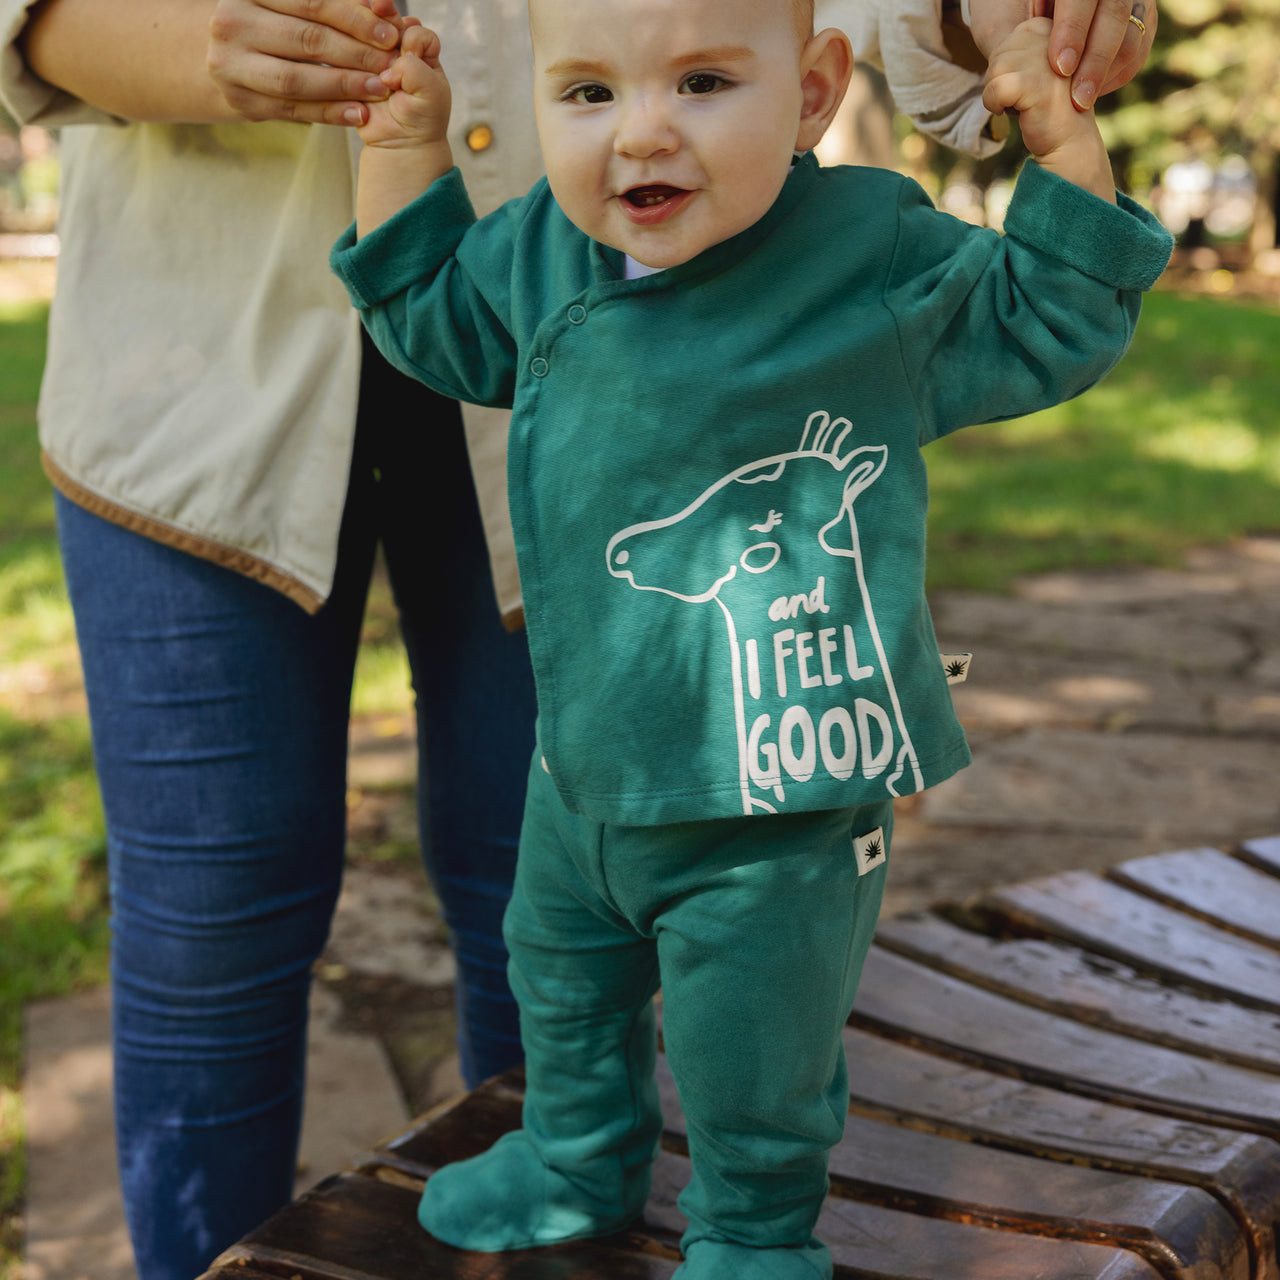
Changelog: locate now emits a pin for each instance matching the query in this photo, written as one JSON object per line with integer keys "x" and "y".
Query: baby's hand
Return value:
{"x": 387, "y": 11}
{"x": 417, "y": 112}
{"x": 1019, "y": 79}
{"x": 1056, "y": 132}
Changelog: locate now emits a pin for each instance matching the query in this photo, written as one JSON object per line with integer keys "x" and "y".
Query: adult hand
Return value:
{"x": 1093, "y": 41}
{"x": 315, "y": 61}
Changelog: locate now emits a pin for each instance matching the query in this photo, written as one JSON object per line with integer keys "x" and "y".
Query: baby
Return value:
{"x": 724, "y": 361}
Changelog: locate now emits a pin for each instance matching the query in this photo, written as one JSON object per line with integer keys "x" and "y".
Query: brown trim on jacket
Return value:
{"x": 171, "y": 536}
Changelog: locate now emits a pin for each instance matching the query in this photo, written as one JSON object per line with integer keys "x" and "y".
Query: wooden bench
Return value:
{"x": 1075, "y": 1078}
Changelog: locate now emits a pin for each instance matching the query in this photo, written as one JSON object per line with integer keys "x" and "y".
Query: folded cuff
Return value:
{"x": 1121, "y": 244}
{"x": 398, "y": 253}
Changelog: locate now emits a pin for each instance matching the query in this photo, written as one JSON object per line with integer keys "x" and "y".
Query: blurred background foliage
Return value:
{"x": 1195, "y": 135}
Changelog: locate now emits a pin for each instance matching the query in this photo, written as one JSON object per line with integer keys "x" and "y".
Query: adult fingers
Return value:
{"x": 240, "y": 28}
{"x": 272, "y": 63}
{"x": 272, "y": 89}
{"x": 1094, "y": 42}
{"x": 377, "y": 26}
{"x": 386, "y": 9}
{"x": 1134, "y": 51}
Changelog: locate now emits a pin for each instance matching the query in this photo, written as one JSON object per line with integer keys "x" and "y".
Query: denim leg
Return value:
{"x": 475, "y": 708}
{"x": 219, "y": 714}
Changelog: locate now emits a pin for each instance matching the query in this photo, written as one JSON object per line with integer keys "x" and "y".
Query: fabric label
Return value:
{"x": 870, "y": 850}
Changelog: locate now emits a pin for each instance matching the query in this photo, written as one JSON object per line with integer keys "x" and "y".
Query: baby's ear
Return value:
{"x": 826, "y": 65}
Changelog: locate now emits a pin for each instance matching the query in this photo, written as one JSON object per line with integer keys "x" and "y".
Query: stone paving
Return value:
{"x": 1111, "y": 715}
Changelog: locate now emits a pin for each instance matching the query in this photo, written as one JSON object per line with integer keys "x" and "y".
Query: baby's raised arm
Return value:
{"x": 405, "y": 144}
{"x": 1060, "y": 136}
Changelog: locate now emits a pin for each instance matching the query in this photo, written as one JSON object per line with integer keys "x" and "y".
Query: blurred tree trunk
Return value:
{"x": 1266, "y": 207}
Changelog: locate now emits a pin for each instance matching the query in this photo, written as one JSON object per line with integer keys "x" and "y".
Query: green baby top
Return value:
{"x": 715, "y": 471}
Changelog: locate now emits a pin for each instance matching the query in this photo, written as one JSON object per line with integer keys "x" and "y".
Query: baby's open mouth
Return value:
{"x": 647, "y": 197}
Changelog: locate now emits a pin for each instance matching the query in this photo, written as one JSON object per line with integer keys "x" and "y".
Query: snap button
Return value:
{"x": 539, "y": 368}
{"x": 479, "y": 137}
{"x": 577, "y": 314}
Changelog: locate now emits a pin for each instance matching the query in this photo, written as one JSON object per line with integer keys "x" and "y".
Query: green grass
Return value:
{"x": 53, "y": 933}
{"x": 1179, "y": 446}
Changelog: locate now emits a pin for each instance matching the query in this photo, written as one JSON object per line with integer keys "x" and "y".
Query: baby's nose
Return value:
{"x": 645, "y": 130}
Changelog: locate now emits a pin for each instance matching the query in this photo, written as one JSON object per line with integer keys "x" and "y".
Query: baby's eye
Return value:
{"x": 590, "y": 94}
{"x": 703, "y": 82}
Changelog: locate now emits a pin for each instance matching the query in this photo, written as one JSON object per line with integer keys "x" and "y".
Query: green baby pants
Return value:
{"x": 755, "y": 929}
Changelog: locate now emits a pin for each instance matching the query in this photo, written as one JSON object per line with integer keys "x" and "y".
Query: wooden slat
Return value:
{"x": 461, "y": 1129}
{"x": 1113, "y": 921}
{"x": 353, "y": 1227}
{"x": 1079, "y": 984}
{"x": 901, "y": 998}
{"x": 871, "y": 1243}
{"x": 875, "y": 1240}
{"x": 1182, "y": 1231}
{"x": 1211, "y": 885}
{"x": 1263, "y": 854}
{"x": 907, "y": 1086}
{"x": 236, "y": 1268}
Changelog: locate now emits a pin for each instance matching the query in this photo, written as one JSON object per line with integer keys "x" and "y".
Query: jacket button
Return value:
{"x": 539, "y": 368}
{"x": 479, "y": 137}
{"x": 577, "y": 314}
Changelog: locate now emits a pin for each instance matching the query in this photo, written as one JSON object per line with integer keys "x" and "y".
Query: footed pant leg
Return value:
{"x": 759, "y": 969}
{"x": 584, "y": 980}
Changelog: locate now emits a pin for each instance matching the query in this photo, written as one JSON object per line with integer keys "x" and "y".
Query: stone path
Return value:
{"x": 1110, "y": 714}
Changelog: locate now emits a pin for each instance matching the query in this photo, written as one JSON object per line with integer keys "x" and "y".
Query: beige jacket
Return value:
{"x": 203, "y": 364}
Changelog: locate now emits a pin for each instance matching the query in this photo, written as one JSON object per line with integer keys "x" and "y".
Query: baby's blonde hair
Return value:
{"x": 802, "y": 13}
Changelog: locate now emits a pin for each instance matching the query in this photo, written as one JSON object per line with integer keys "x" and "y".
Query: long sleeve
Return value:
{"x": 995, "y": 326}
{"x": 29, "y": 99}
{"x": 433, "y": 287}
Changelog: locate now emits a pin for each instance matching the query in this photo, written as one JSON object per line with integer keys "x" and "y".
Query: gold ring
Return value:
{"x": 1138, "y": 22}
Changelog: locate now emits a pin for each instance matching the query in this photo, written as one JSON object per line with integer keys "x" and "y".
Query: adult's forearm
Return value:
{"x": 140, "y": 61}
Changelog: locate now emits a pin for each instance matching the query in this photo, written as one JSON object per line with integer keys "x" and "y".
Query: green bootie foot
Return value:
{"x": 720, "y": 1260}
{"x": 508, "y": 1199}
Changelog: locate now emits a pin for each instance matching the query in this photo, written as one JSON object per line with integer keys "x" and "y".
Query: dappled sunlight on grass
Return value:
{"x": 382, "y": 679}
{"x": 33, "y": 600}
{"x": 1180, "y": 445}
{"x": 50, "y": 814}
{"x": 1223, "y": 445}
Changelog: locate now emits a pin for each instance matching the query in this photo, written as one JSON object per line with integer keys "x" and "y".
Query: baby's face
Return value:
{"x": 667, "y": 126}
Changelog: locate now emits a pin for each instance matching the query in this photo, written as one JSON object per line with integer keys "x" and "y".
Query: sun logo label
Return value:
{"x": 869, "y": 850}
{"x": 774, "y": 544}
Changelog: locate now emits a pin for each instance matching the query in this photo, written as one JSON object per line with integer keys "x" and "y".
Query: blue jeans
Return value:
{"x": 219, "y": 713}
